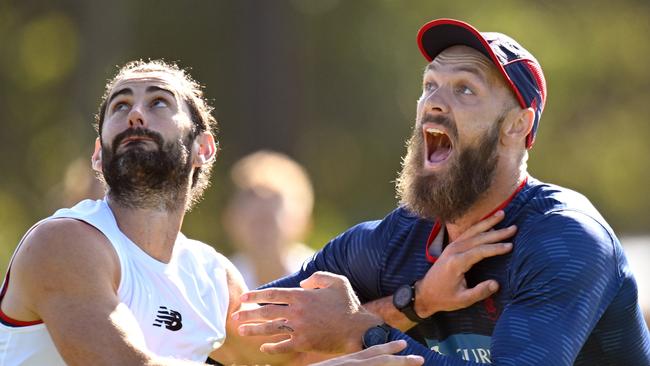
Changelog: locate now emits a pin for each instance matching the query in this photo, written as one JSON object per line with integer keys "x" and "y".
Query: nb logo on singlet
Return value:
{"x": 171, "y": 319}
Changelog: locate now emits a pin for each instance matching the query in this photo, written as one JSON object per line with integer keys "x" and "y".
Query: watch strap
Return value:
{"x": 410, "y": 313}
{"x": 409, "y": 309}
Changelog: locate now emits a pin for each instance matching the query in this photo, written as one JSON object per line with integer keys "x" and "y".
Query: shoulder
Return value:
{"x": 64, "y": 240}
{"x": 566, "y": 241}
{"x": 544, "y": 198}
{"x": 199, "y": 249}
{"x": 553, "y": 213}
{"x": 209, "y": 256}
{"x": 64, "y": 254}
{"x": 567, "y": 226}
{"x": 236, "y": 283}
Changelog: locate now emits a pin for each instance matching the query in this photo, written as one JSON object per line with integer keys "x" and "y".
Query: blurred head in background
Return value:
{"x": 268, "y": 216}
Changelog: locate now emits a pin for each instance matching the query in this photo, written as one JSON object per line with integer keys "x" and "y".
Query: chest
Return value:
{"x": 181, "y": 312}
{"x": 465, "y": 333}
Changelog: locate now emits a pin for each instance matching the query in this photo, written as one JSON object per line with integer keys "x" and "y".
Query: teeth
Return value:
{"x": 434, "y": 131}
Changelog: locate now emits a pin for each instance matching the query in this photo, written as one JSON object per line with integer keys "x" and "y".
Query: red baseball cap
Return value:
{"x": 519, "y": 68}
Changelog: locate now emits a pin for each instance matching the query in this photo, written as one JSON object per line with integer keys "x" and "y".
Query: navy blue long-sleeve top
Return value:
{"x": 567, "y": 296}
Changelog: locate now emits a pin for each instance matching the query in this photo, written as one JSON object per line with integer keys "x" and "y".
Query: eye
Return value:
{"x": 120, "y": 106}
{"x": 159, "y": 103}
{"x": 428, "y": 86}
{"x": 464, "y": 90}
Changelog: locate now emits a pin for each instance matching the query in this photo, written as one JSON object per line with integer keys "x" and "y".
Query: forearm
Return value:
{"x": 386, "y": 310}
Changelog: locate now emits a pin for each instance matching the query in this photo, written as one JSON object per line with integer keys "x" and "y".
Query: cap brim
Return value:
{"x": 440, "y": 34}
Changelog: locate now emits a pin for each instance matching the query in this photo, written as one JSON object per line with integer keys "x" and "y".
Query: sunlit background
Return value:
{"x": 331, "y": 83}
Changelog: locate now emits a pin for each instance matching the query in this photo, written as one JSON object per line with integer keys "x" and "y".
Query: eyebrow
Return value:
{"x": 464, "y": 68}
{"x": 154, "y": 88}
{"x": 150, "y": 89}
{"x": 123, "y": 91}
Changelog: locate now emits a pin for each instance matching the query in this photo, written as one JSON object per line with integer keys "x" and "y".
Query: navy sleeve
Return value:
{"x": 564, "y": 274}
{"x": 350, "y": 254}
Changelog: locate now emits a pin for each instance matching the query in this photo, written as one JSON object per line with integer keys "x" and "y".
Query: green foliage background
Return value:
{"x": 333, "y": 83}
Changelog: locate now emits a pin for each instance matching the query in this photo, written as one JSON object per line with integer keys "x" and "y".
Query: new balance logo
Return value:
{"x": 168, "y": 317}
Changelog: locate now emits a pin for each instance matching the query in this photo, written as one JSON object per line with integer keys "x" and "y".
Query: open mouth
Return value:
{"x": 438, "y": 145}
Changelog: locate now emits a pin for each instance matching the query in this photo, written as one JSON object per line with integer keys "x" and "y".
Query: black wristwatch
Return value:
{"x": 375, "y": 335}
{"x": 404, "y": 301}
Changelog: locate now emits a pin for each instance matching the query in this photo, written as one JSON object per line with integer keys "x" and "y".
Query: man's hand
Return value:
{"x": 324, "y": 315}
{"x": 381, "y": 355}
{"x": 444, "y": 288}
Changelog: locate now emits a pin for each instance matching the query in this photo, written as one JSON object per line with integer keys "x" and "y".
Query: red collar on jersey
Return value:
{"x": 438, "y": 225}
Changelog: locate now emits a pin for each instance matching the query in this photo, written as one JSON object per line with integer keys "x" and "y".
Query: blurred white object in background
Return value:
{"x": 637, "y": 250}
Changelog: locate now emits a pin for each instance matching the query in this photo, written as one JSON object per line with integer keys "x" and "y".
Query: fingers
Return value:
{"x": 483, "y": 225}
{"x": 479, "y": 292}
{"x": 322, "y": 280}
{"x": 266, "y": 312}
{"x": 390, "y": 360}
{"x": 271, "y": 295}
{"x": 376, "y": 356}
{"x": 471, "y": 257}
{"x": 285, "y": 346}
{"x": 268, "y": 328}
{"x": 382, "y": 349}
{"x": 492, "y": 236}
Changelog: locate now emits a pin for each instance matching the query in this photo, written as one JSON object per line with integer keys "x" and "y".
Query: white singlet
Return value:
{"x": 181, "y": 306}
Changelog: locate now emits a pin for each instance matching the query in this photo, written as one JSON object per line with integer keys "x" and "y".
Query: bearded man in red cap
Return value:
{"x": 562, "y": 292}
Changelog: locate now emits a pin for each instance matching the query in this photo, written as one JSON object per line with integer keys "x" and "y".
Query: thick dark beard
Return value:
{"x": 148, "y": 179}
{"x": 449, "y": 195}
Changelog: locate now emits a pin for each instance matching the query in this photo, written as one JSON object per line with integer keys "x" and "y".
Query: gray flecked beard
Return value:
{"x": 448, "y": 195}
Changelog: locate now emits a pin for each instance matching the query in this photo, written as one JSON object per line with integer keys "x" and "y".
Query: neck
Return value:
{"x": 503, "y": 186}
{"x": 153, "y": 230}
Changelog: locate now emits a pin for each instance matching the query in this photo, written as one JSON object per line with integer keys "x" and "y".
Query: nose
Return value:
{"x": 435, "y": 102}
{"x": 136, "y": 117}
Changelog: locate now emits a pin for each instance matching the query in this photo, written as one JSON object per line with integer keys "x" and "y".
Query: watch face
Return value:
{"x": 402, "y": 297}
{"x": 375, "y": 336}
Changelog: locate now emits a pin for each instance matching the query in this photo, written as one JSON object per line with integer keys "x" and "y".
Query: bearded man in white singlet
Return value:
{"x": 114, "y": 281}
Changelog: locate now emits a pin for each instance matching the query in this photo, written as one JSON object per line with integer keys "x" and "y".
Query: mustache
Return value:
{"x": 444, "y": 121}
{"x": 137, "y": 132}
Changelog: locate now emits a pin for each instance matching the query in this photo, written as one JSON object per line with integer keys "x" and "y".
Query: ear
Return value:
{"x": 97, "y": 156}
{"x": 204, "y": 149}
{"x": 517, "y": 127}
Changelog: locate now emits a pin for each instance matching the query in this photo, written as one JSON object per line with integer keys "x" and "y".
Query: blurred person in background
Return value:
{"x": 268, "y": 216}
